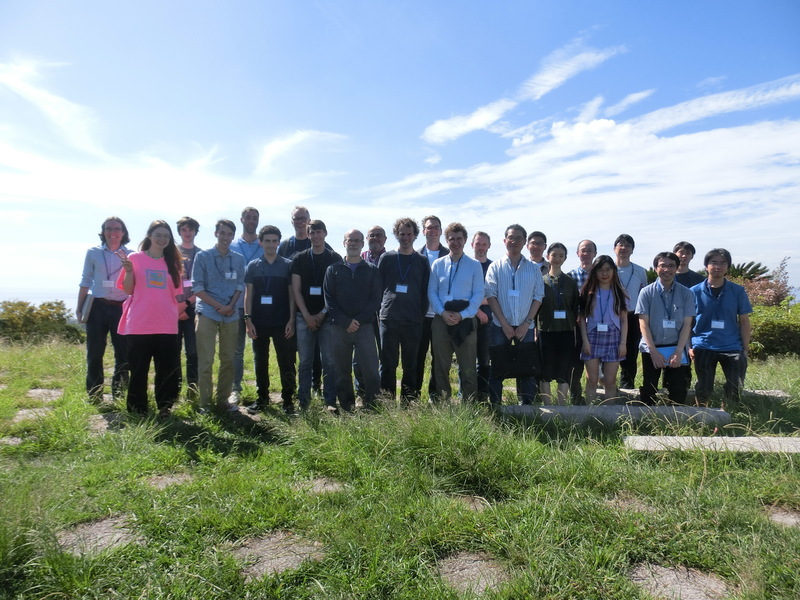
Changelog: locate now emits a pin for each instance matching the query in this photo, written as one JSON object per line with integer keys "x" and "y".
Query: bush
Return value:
{"x": 776, "y": 330}
{"x": 768, "y": 289}
{"x": 21, "y": 321}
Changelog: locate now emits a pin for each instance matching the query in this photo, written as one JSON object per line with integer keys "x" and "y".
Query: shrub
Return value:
{"x": 769, "y": 290}
{"x": 776, "y": 330}
{"x": 22, "y": 321}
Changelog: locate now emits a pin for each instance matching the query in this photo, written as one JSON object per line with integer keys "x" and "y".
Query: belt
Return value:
{"x": 111, "y": 302}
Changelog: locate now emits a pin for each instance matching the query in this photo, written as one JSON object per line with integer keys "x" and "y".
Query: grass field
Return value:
{"x": 564, "y": 512}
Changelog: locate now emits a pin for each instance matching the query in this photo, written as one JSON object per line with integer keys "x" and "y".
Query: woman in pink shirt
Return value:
{"x": 152, "y": 278}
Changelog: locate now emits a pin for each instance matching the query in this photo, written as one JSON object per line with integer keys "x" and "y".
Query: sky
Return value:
{"x": 582, "y": 119}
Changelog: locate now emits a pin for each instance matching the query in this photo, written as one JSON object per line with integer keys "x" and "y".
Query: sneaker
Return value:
{"x": 234, "y": 398}
{"x": 288, "y": 410}
{"x": 332, "y": 410}
{"x": 254, "y": 408}
{"x": 234, "y": 408}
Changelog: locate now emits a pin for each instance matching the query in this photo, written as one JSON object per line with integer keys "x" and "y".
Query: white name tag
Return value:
{"x": 602, "y": 327}
{"x": 668, "y": 324}
{"x": 401, "y": 289}
{"x": 717, "y": 324}
{"x": 315, "y": 290}
{"x": 107, "y": 283}
{"x": 513, "y": 293}
{"x": 559, "y": 314}
{"x": 230, "y": 275}
{"x": 266, "y": 299}
{"x": 187, "y": 283}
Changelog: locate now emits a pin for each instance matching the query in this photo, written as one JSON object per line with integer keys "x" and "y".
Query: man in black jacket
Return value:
{"x": 353, "y": 293}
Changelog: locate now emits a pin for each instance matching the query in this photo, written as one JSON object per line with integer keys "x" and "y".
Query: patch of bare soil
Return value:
{"x": 29, "y": 413}
{"x": 100, "y": 424}
{"x": 45, "y": 395}
{"x": 161, "y": 482}
{"x": 10, "y": 441}
{"x": 628, "y": 502}
{"x": 472, "y": 572}
{"x": 476, "y": 503}
{"x": 319, "y": 485}
{"x": 280, "y": 551}
{"x": 784, "y": 516}
{"x": 96, "y": 536}
{"x": 679, "y": 583}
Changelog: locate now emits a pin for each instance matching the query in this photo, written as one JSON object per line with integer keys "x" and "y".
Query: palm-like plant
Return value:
{"x": 749, "y": 271}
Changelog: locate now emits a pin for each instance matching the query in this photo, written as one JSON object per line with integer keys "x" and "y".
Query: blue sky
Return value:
{"x": 669, "y": 121}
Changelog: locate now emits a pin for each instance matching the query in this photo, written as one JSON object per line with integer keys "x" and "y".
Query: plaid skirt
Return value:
{"x": 605, "y": 345}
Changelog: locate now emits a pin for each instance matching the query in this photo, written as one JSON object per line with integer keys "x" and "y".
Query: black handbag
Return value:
{"x": 515, "y": 359}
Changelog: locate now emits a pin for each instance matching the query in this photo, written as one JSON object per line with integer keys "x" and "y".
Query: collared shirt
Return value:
{"x": 633, "y": 279}
{"x": 659, "y": 304}
{"x": 220, "y": 277}
{"x": 460, "y": 280}
{"x": 188, "y": 255}
{"x": 580, "y": 276}
{"x": 100, "y": 271}
{"x": 371, "y": 257}
{"x": 515, "y": 290}
{"x": 432, "y": 256}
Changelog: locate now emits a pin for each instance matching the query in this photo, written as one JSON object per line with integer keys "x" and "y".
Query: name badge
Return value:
{"x": 187, "y": 283}
{"x": 107, "y": 283}
{"x": 717, "y": 324}
{"x": 315, "y": 290}
{"x": 559, "y": 314}
{"x": 230, "y": 275}
{"x": 401, "y": 289}
{"x": 266, "y": 299}
{"x": 513, "y": 293}
{"x": 668, "y": 324}
{"x": 602, "y": 327}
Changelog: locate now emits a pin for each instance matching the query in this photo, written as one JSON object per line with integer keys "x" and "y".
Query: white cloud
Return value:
{"x": 590, "y": 109}
{"x": 280, "y": 147}
{"x": 75, "y": 123}
{"x": 562, "y": 65}
{"x": 712, "y": 82}
{"x": 446, "y": 130}
{"x": 627, "y": 102}
{"x": 763, "y": 94}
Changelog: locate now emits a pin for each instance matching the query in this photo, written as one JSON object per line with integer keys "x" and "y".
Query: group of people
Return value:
{"x": 348, "y": 321}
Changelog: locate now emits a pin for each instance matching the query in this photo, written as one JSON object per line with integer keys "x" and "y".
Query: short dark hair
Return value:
{"x": 554, "y": 246}
{"x": 226, "y": 223}
{"x": 432, "y": 218}
{"x": 188, "y": 221}
{"x": 684, "y": 246}
{"x": 405, "y": 222}
{"x": 317, "y": 224}
{"x": 248, "y": 209}
{"x": 516, "y": 227}
{"x": 534, "y": 234}
{"x": 268, "y": 230}
{"x": 484, "y": 234}
{"x": 624, "y": 237}
{"x": 455, "y": 227}
{"x": 669, "y": 255}
{"x": 718, "y": 252}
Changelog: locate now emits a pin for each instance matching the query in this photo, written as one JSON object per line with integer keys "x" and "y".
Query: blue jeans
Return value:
{"x": 103, "y": 320}
{"x": 305, "y": 351}
{"x": 526, "y": 386}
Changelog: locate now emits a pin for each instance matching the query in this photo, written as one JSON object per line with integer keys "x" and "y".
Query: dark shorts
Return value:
{"x": 557, "y": 352}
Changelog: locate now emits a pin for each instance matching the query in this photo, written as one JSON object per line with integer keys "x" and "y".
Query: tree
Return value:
{"x": 749, "y": 271}
{"x": 22, "y": 321}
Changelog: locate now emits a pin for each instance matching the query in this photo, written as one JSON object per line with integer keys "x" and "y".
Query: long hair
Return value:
{"x": 589, "y": 289}
{"x": 125, "y": 237}
{"x": 172, "y": 255}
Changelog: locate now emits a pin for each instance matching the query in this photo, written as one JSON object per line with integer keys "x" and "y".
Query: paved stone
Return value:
{"x": 30, "y": 413}
{"x": 96, "y": 536}
{"x": 277, "y": 552}
{"x": 45, "y": 395}
{"x": 719, "y": 444}
{"x": 673, "y": 583}
{"x": 613, "y": 415}
{"x": 475, "y": 573}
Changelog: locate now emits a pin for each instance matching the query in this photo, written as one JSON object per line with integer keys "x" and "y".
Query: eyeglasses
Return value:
{"x": 537, "y": 243}
{"x": 112, "y": 228}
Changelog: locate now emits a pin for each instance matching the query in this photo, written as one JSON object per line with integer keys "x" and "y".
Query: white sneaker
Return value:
{"x": 234, "y": 398}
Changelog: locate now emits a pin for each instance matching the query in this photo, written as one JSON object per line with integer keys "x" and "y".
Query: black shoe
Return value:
{"x": 255, "y": 407}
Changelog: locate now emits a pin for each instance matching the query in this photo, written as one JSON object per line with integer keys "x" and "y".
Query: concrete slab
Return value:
{"x": 660, "y": 443}
{"x": 613, "y": 415}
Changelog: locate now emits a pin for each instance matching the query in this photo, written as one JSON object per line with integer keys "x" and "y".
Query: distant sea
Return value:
{"x": 37, "y": 296}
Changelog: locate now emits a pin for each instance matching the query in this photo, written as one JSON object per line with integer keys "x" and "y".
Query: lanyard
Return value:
{"x": 105, "y": 262}
{"x": 400, "y": 270}
{"x": 661, "y": 292}
{"x": 453, "y": 273}
{"x": 603, "y": 311}
{"x": 314, "y": 272}
{"x": 230, "y": 264}
{"x": 558, "y": 291}
{"x": 716, "y": 299}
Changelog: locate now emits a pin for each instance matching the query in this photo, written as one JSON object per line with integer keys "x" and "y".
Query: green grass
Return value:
{"x": 549, "y": 520}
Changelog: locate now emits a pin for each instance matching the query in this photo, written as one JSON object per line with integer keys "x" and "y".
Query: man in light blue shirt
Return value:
{"x": 218, "y": 282}
{"x": 455, "y": 291}
{"x": 250, "y": 249}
